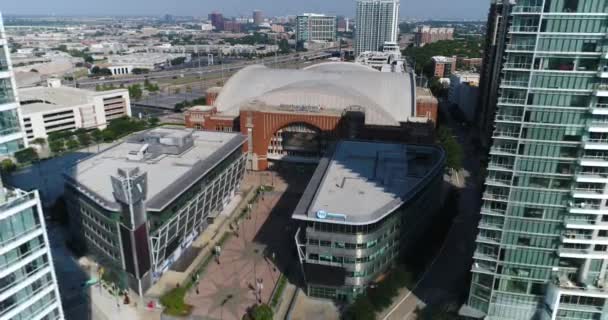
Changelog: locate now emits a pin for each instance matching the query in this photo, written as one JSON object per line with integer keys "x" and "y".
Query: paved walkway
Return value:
{"x": 228, "y": 287}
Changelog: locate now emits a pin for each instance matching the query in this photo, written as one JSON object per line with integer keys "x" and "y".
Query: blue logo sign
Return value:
{"x": 321, "y": 214}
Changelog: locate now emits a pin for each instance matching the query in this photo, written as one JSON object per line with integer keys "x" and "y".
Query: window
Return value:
{"x": 537, "y": 289}
{"x": 533, "y": 213}
{"x": 523, "y": 241}
{"x": 570, "y": 5}
{"x": 325, "y": 243}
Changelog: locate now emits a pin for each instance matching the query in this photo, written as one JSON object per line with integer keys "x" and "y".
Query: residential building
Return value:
{"x": 11, "y": 125}
{"x": 342, "y": 24}
{"x": 443, "y": 67}
{"x": 293, "y": 115}
{"x": 366, "y": 203}
{"x": 28, "y": 284}
{"x": 377, "y": 22}
{"x": 464, "y": 93}
{"x": 232, "y": 26}
{"x": 277, "y": 28}
{"x": 258, "y": 17}
{"x": 315, "y": 27}
{"x": 542, "y": 243}
{"x": 425, "y": 34}
{"x": 469, "y": 64}
{"x": 54, "y": 109}
{"x": 138, "y": 206}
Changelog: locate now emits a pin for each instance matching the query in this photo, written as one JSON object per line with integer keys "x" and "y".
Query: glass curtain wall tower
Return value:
{"x": 11, "y": 133}
{"x": 542, "y": 247}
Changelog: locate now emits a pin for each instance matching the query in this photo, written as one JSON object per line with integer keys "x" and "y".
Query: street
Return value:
{"x": 446, "y": 280}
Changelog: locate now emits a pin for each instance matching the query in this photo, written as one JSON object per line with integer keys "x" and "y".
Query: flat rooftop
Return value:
{"x": 362, "y": 182}
{"x": 44, "y": 99}
{"x": 169, "y": 173}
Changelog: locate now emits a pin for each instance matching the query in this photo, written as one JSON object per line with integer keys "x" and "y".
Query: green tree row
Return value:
{"x": 461, "y": 48}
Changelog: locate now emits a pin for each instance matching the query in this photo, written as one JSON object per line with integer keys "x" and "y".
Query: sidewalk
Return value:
{"x": 288, "y": 295}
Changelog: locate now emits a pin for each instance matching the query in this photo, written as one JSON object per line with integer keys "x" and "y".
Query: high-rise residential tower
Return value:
{"x": 28, "y": 285}
{"x": 377, "y": 22}
{"x": 542, "y": 247}
{"x": 11, "y": 133}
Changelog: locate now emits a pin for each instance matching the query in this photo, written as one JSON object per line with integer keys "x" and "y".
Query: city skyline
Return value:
{"x": 469, "y": 9}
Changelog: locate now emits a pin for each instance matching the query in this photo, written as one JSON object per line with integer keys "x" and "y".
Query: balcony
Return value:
{"x": 509, "y": 118}
{"x": 516, "y": 101}
{"x": 583, "y": 239}
{"x": 581, "y": 253}
{"x": 517, "y": 66}
{"x": 603, "y": 73}
{"x": 523, "y": 29}
{"x": 513, "y": 84}
{"x": 600, "y": 109}
{"x": 598, "y": 126}
{"x": 601, "y": 90}
{"x": 587, "y": 208}
{"x": 503, "y": 151}
{"x": 489, "y": 240}
{"x": 485, "y": 256}
{"x": 595, "y": 144}
{"x": 527, "y": 9}
{"x": 568, "y": 287}
{"x": 493, "y": 211}
{"x": 500, "y": 166}
{"x": 506, "y": 134}
{"x": 593, "y": 161}
{"x": 520, "y": 47}
{"x": 589, "y": 193}
{"x": 490, "y": 225}
{"x": 591, "y": 176}
{"x": 584, "y": 224}
{"x": 495, "y": 196}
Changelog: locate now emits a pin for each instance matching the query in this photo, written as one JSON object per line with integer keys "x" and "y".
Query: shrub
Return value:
{"x": 26, "y": 155}
{"x": 174, "y": 304}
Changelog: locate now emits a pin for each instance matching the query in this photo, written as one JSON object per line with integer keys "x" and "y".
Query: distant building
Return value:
{"x": 11, "y": 135}
{"x": 315, "y": 27}
{"x": 292, "y": 115}
{"x": 464, "y": 93}
{"x": 28, "y": 286}
{"x": 54, "y": 109}
{"x": 232, "y": 26}
{"x": 469, "y": 64}
{"x": 343, "y": 24}
{"x": 367, "y": 204}
{"x": 124, "y": 64}
{"x": 258, "y": 17}
{"x": 277, "y": 28}
{"x": 443, "y": 67}
{"x": 217, "y": 20}
{"x": 377, "y": 22}
{"x": 137, "y": 207}
{"x": 206, "y": 27}
{"x": 425, "y": 35}
{"x": 427, "y": 106}
{"x": 388, "y": 60}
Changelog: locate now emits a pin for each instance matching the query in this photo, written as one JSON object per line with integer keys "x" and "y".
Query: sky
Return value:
{"x": 434, "y": 9}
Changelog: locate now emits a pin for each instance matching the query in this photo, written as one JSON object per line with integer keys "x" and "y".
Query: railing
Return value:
{"x": 495, "y": 196}
{"x": 564, "y": 283}
{"x": 503, "y": 181}
{"x": 523, "y": 29}
{"x": 24, "y": 277}
{"x": 596, "y": 140}
{"x": 506, "y": 117}
{"x": 493, "y": 211}
{"x": 520, "y": 47}
{"x": 508, "y": 166}
{"x": 488, "y": 239}
{"x": 514, "y": 83}
{"x": 22, "y": 256}
{"x": 588, "y": 206}
{"x": 20, "y": 235}
{"x": 511, "y": 134}
{"x": 489, "y": 225}
{"x": 527, "y": 9}
{"x": 512, "y": 100}
{"x": 583, "y": 221}
{"x": 6, "y": 97}
{"x": 16, "y": 197}
{"x": 601, "y": 106}
{"x": 514, "y": 65}
{"x": 601, "y": 86}
{"x": 590, "y": 190}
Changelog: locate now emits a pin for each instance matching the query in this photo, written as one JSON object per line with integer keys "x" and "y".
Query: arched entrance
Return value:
{"x": 297, "y": 142}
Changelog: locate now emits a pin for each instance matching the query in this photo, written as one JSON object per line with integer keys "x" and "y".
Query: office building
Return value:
{"x": 217, "y": 21}
{"x": 366, "y": 203}
{"x": 464, "y": 93}
{"x": 387, "y": 60}
{"x": 139, "y": 205}
{"x": 258, "y": 17}
{"x": 443, "y": 67}
{"x": 424, "y": 35}
{"x": 342, "y": 24}
{"x": 377, "y": 22}
{"x": 315, "y": 27}
{"x": 28, "y": 285}
{"x": 232, "y": 26}
{"x": 542, "y": 247}
{"x": 57, "y": 108}
{"x": 293, "y": 115}
{"x": 11, "y": 126}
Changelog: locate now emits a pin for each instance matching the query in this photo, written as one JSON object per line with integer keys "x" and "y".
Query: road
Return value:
{"x": 446, "y": 279}
{"x": 224, "y": 68}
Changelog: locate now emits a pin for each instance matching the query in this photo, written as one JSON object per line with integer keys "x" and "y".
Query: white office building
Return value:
{"x": 52, "y": 109}
{"x": 11, "y": 134}
{"x": 315, "y": 27}
{"x": 377, "y": 22}
{"x": 28, "y": 285}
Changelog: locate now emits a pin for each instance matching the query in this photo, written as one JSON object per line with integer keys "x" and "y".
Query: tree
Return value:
{"x": 178, "y": 61}
{"x": 72, "y": 144}
{"x": 84, "y": 139}
{"x": 153, "y": 121}
{"x": 109, "y": 135}
{"x": 57, "y": 146}
{"x": 361, "y": 309}
{"x": 97, "y": 135}
{"x": 262, "y": 312}
{"x": 140, "y": 71}
{"x": 26, "y": 155}
{"x": 7, "y": 166}
{"x": 39, "y": 141}
{"x": 284, "y": 46}
{"x": 453, "y": 149}
{"x": 135, "y": 91}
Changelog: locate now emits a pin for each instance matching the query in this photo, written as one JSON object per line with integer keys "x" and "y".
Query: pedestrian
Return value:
{"x": 197, "y": 290}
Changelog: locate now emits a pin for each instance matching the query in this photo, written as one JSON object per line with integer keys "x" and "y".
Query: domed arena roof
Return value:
{"x": 387, "y": 98}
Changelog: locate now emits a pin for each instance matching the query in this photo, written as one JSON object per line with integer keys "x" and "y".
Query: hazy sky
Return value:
{"x": 436, "y": 9}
